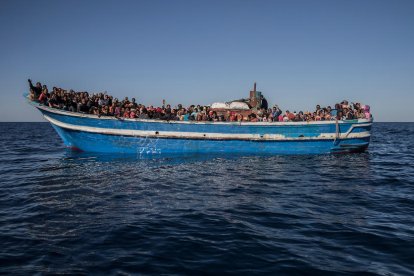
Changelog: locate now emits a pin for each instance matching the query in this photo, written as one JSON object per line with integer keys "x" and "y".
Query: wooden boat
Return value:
{"x": 112, "y": 135}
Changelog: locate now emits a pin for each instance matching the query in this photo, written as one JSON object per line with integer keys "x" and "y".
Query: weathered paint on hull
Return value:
{"x": 93, "y": 134}
{"x": 109, "y": 143}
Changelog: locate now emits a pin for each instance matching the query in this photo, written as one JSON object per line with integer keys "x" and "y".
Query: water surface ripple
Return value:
{"x": 68, "y": 212}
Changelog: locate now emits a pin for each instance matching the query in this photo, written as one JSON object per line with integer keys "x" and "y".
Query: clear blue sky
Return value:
{"x": 301, "y": 53}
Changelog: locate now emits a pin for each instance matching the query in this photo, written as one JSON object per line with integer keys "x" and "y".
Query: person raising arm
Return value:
{"x": 37, "y": 90}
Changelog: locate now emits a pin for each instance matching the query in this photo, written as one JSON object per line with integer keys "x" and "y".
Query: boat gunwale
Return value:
{"x": 92, "y": 116}
{"x": 202, "y": 136}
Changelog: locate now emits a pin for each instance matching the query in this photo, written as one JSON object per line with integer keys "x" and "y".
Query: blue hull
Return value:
{"x": 93, "y": 134}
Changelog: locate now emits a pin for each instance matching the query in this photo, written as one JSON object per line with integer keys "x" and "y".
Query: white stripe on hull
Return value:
{"x": 204, "y": 136}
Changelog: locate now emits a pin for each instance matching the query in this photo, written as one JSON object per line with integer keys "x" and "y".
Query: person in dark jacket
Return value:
{"x": 264, "y": 103}
{"x": 37, "y": 90}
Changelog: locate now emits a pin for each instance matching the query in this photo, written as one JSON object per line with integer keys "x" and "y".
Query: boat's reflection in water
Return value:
{"x": 328, "y": 162}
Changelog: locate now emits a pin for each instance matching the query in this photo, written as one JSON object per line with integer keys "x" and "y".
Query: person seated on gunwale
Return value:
{"x": 156, "y": 113}
{"x": 126, "y": 113}
{"x": 53, "y": 101}
{"x": 112, "y": 108}
{"x": 214, "y": 117}
{"x": 334, "y": 112}
{"x": 276, "y": 112}
{"x": 239, "y": 117}
{"x": 144, "y": 114}
{"x": 169, "y": 115}
{"x": 298, "y": 117}
{"x": 64, "y": 103}
{"x": 132, "y": 113}
{"x": 94, "y": 110}
{"x": 186, "y": 115}
{"x": 209, "y": 116}
{"x": 230, "y": 116}
{"x": 289, "y": 115}
{"x": 253, "y": 118}
{"x": 270, "y": 117}
{"x": 194, "y": 114}
{"x": 44, "y": 96}
{"x": 83, "y": 107}
{"x": 105, "y": 111}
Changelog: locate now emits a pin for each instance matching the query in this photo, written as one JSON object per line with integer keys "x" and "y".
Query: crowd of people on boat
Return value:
{"x": 102, "y": 104}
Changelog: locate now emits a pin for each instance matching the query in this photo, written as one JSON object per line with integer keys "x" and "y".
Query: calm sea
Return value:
{"x": 77, "y": 213}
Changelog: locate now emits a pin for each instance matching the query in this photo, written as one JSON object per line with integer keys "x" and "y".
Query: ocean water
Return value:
{"x": 78, "y": 213}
